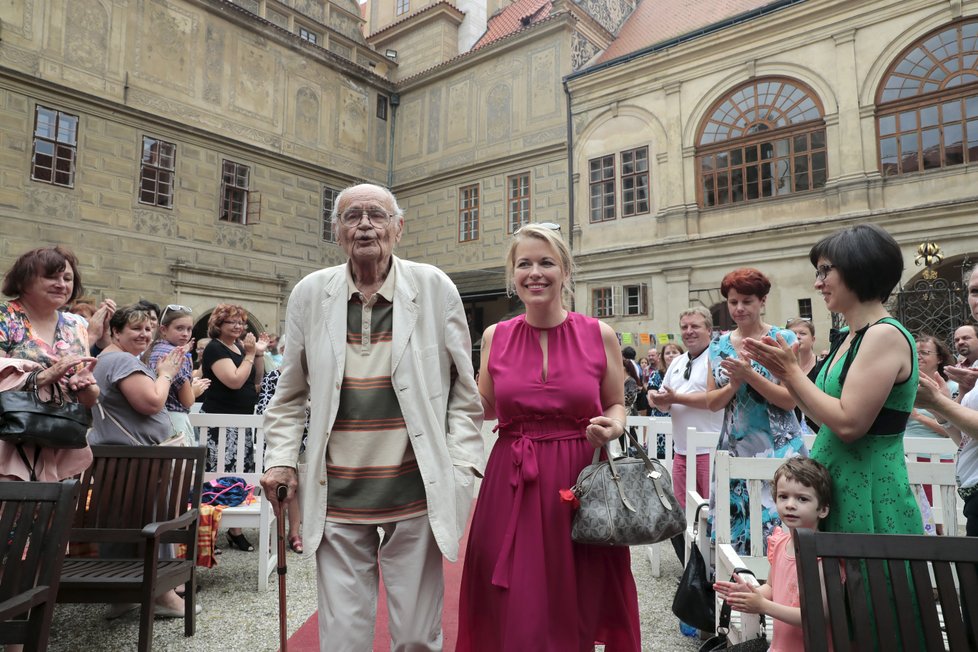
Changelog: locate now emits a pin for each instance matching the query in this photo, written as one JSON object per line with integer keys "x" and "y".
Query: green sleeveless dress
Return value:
{"x": 870, "y": 490}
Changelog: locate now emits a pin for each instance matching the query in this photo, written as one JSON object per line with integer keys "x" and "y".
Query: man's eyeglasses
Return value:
{"x": 377, "y": 217}
{"x": 822, "y": 271}
{"x": 177, "y": 307}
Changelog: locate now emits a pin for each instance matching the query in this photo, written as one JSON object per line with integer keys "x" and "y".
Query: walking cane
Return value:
{"x": 283, "y": 633}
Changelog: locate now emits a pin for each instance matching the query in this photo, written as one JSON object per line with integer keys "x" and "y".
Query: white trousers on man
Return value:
{"x": 348, "y": 560}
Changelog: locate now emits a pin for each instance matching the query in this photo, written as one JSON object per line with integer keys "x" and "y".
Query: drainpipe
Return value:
{"x": 570, "y": 169}
{"x": 395, "y": 101}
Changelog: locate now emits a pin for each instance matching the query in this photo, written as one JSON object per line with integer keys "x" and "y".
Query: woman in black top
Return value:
{"x": 234, "y": 363}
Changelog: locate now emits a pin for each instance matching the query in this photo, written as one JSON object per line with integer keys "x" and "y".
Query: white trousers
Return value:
{"x": 348, "y": 560}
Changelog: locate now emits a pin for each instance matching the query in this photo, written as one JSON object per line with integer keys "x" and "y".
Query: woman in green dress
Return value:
{"x": 865, "y": 391}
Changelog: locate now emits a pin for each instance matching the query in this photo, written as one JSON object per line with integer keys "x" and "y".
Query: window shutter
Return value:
{"x": 617, "y": 307}
{"x": 254, "y": 207}
{"x": 644, "y": 308}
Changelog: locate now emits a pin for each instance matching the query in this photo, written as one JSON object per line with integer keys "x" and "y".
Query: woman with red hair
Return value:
{"x": 758, "y": 418}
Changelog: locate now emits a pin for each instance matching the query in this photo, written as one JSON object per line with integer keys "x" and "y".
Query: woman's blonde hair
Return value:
{"x": 551, "y": 237}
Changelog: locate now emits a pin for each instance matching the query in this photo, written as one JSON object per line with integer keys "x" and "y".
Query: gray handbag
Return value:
{"x": 626, "y": 501}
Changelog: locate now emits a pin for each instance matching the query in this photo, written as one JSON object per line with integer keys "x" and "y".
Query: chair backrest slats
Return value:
{"x": 890, "y": 583}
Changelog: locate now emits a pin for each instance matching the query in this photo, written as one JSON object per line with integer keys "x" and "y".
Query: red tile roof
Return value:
{"x": 514, "y": 18}
{"x": 655, "y": 21}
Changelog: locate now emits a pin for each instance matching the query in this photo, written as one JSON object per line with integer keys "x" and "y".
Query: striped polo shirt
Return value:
{"x": 373, "y": 474}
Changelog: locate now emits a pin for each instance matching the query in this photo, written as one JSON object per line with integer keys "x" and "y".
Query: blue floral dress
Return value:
{"x": 752, "y": 427}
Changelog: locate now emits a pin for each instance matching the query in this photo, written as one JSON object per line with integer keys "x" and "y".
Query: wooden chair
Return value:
{"x": 34, "y": 519}
{"x": 921, "y": 611}
{"x": 259, "y": 514}
{"x": 146, "y": 496}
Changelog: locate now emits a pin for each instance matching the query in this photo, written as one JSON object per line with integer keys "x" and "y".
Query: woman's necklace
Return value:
{"x": 230, "y": 347}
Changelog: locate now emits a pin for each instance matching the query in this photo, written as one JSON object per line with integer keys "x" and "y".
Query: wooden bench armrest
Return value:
{"x": 154, "y": 530}
{"x": 22, "y": 602}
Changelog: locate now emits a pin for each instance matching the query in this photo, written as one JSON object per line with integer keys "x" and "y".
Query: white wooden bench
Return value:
{"x": 259, "y": 514}
{"x": 648, "y": 430}
{"x": 696, "y": 439}
{"x": 758, "y": 470}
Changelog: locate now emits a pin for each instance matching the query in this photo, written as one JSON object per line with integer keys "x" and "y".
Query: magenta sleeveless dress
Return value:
{"x": 525, "y": 584}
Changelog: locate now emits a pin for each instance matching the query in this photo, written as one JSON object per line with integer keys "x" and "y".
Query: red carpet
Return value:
{"x": 306, "y": 638}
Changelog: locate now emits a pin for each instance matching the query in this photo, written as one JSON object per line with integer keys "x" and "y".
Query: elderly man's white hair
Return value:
{"x": 334, "y": 215}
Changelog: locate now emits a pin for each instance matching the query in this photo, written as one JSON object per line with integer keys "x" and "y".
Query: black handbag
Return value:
{"x": 695, "y": 600}
{"x": 625, "y": 502}
{"x": 719, "y": 642}
{"x": 25, "y": 418}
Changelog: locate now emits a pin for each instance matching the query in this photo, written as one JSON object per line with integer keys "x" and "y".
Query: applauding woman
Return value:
{"x": 865, "y": 391}
{"x": 132, "y": 411}
{"x": 758, "y": 418}
{"x": 553, "y": 379}
{"x": 35, "y": 336}
{"x": 234, "y": 365}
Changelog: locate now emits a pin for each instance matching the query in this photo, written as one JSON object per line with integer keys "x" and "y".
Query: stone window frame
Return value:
{"x": 805, "y": 308}
{"x": 401, "y": 7}
{"x": 517, "y": 205}
{"x": 637, "y": 304}
{"x": 329, "y": 200}
{"x": 468, "y": 213}
{"x": 382, "y": 106}
{"x": 157, "y": 172}
{"x": 308, "y": 35}
{"x": 763, "y": 139}
{"x": 56, "y": 132}
{"x": 239, "y": 204}
{"x": 602, "y": 303}
{"x": 633, "y": 175}
{"x": 601, "y": 189}
{"x": 927, "y": 103}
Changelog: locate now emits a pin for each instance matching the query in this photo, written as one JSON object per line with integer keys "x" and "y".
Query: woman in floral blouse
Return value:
{"x": 34, "y": 332}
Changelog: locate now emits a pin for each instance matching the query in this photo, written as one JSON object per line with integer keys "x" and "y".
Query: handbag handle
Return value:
{"x": 653, "y": 473}
{"x": 723, "y": 622}
{"x": 57, "y": 394}
{"x": 105, "y": 413}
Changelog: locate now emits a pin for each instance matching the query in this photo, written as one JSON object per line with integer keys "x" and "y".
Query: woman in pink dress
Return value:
{"x": 554, "y": 381}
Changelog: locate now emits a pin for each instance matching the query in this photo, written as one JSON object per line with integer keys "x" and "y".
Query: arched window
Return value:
{"x": 765, "y": 138}
{"x": 927, "y": 104}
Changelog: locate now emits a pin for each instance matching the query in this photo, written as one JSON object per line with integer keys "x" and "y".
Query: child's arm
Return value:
{"x": 749, "y": 599}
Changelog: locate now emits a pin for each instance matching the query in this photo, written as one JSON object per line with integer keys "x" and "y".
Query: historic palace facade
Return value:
{"x": 190, "y": 150}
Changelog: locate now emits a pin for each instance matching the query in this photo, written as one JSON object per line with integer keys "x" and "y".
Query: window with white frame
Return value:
{"x": 635, "y": 182}
{"x": 635, "y": 299}
{"x": 306, "y": 35}
{"x": 601, "y": 302}
{"x": 55, "y": 147}
{"x": 401, "y": 7}
{"x": 234, "y": 193}
{"x": 156, "y": 172}
{"x": 468, "y": 213}
{"x": 601, "y": 178}
{"x": 518, "y": 201}
{"x": 329, "y": 199}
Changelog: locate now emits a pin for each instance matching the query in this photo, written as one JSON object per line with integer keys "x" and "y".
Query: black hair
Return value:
{"x": 867, "y": 259}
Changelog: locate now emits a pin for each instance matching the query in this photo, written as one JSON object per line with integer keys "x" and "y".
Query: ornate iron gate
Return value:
{"x": 934, "y": 306}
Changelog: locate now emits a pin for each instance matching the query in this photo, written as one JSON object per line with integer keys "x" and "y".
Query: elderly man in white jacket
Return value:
{"x": 381, "y": 348}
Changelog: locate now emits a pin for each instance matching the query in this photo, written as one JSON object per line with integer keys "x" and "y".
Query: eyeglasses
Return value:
{"x": 377, "y": 217}
{"x": 551, "y": 226}
{"x": 177, "y": 307}
{"x": 234, "y": 322}
{"x": 822, "y": 271}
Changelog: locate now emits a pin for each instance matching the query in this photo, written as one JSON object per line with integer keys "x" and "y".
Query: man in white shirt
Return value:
{"x": 683, "y": 395}
{"x": 965, "y": 373}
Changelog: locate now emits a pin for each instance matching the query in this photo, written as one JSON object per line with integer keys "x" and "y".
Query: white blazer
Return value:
{"x": 431, "y": 373}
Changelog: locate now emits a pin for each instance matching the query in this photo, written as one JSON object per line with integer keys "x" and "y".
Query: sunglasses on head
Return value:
{"x": 175, "y": 307}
